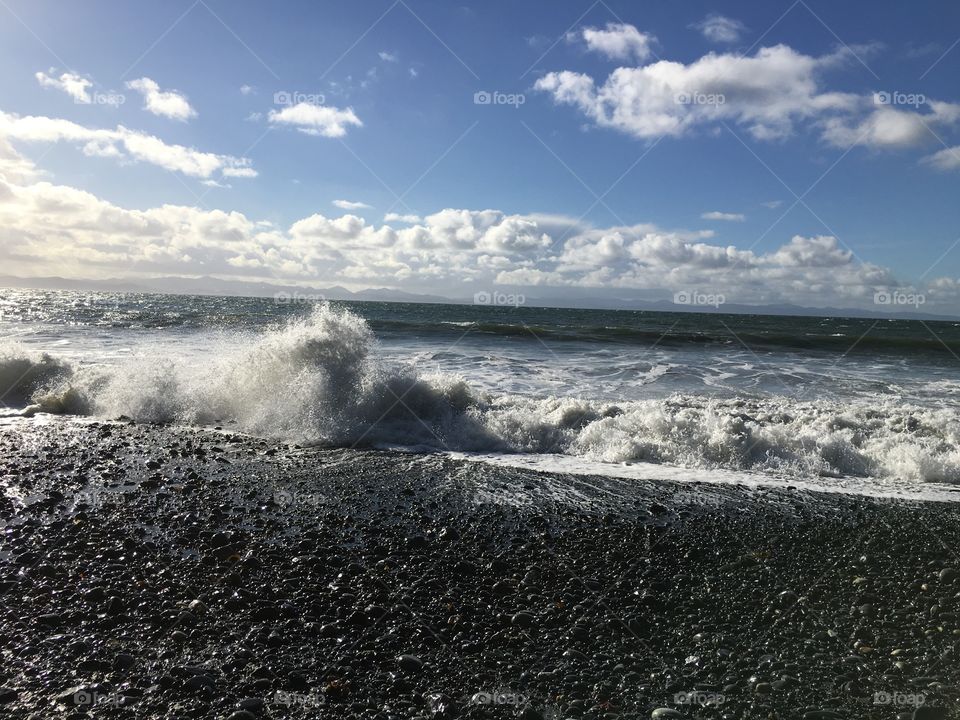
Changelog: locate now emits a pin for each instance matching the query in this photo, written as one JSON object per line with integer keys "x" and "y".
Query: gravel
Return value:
{"x": 163, "y": 572}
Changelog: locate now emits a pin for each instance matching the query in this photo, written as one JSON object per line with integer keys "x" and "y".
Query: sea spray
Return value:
{"x": 322, "y": 379}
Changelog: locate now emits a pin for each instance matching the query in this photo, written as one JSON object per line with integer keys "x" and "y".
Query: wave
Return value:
{"x": 321, "y": 380}
{"x": 710, "y": 333}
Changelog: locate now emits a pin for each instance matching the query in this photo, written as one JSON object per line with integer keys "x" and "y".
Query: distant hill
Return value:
{"x": 215, "y": 286}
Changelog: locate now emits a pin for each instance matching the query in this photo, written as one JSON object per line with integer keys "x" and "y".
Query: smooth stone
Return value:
{"x": 930, "y": 713}
{"x": 522, "y": 620}
{"x": 410, "y": 663}
{"x": 241, "y": 715}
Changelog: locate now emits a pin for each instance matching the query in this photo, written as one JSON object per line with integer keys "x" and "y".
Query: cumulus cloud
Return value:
{"x": 166, "y": 103}
{"x": 53, "y": 229}
{"x": 322, "y": 120}
{"x": 397, "y": 217}
{"x": 72, "y": 84}
{"x": 350, "y": 205}
{"x": 729, "y": 217}
{"x": 616, "y": 41}
{"x": 767, "y": 93}
{"x": 387, "y": 56}
{"x": 946, "y": 159}
{"x": 720, "y": 29}
{"x": 123, "y": 143}
{"x": 885, "y": 126}
{"x": 770, "y": 94}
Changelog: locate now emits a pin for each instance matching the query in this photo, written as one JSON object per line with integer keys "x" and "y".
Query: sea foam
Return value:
{"x": 322, "y": 380}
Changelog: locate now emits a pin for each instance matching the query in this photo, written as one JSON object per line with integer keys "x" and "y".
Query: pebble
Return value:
{"x": 410, "y": 663}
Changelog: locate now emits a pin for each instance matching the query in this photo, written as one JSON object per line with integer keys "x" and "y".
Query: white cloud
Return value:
{"x": 72, "y": 84}
{"x": 239, "y": 171}
{"x": 729, "y": 217}
{"x": 350, "y": 205}
{"x": 720, "y": 29}
{"x": 247, "y": 90}
{"x": 885, "y": 126}
{"x": 396, "y": 217}
{"x": 123, "y": 143}
{"x": 387, "y": 56}
{"x": 14, "y": 167}
{"x": 166, "y": 103}
{"x": 772, "y": 204}
{"x": 312, "y": 119}
{"x": 946, "y": 159}
{"x": 617, "y": 41}
{"x": 767, "y": 93}
{"x": 52, "y": 229}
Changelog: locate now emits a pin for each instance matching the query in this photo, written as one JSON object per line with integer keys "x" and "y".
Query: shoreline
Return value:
{"x": 208, "y": 574}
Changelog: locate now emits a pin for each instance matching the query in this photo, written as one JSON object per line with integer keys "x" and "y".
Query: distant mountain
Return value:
{"x": 216, "y": 286}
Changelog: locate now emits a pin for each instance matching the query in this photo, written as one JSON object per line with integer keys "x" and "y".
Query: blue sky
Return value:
{"x": 697, "y": 125}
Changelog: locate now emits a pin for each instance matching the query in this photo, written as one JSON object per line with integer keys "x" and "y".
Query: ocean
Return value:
{"x": 837, "y": 403}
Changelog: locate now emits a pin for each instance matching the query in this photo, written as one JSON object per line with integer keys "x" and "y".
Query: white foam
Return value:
{"x": 322, "y": 379}
{"x": 570, "y": 465}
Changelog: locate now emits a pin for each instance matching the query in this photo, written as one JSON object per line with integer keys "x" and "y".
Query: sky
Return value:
{"x": 800, "y": 152}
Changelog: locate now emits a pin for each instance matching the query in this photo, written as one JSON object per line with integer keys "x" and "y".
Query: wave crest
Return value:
{"x": 321, "y": 380}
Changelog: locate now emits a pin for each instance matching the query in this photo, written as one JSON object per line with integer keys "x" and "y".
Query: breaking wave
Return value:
{"x": 321, "y": 380}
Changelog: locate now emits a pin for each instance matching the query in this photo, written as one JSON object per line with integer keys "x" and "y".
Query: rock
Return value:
{"x": 925, "y": 712}
{"x": 200, "y": 682}
{"x": 254, "y": 705}
{"x": 124, "y": 661}
{"x": 787, "y": 598}
{"x": 410, "y": 663}
{"x": 7, "y": 695}
{"x": 522, "y": 620}
{"x": 948, "y": 575}
{"x": 664, "y": 713}
{"x": 241, "y": 715}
